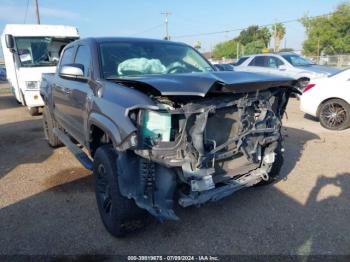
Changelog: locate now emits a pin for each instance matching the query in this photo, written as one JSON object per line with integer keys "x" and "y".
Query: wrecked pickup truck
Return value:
{"x": 160, "y": 126}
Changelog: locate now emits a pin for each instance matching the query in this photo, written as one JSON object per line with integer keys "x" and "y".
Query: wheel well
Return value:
{"x": 324, "y": 101}
{"x": 98, "y": 137}
{"x": 304, "y": 78}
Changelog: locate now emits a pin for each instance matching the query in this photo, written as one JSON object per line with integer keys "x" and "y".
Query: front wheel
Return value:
{"x": 119, "y": 214}
{"x": 334, "y": 114}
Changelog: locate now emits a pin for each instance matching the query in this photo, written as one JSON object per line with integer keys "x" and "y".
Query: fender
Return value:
{"x": 304, "y": 74}
{"x": 106, "y": 125}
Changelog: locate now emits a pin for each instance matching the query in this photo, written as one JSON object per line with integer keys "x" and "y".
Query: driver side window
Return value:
{"x": 67, "y": 57}
{"x": 83, "y": 58}
{"x": 274, "y": 62}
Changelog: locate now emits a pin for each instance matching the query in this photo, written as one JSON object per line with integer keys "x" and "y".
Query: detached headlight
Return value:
{"x": 32, "y": 85}
{"x": 156, "y": 125}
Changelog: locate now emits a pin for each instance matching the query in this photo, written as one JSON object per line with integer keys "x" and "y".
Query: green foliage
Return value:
{"x": 252, "y": 40}
{"x": 226, "y": 49}
{"x": 254, "y": 33}
{"x": 254, "y": 47}
{"x": 287, "y": 49}
{"x": 328, "y": 34}
{"x": 265, "y": 36}
{"x": 279, "y": 32}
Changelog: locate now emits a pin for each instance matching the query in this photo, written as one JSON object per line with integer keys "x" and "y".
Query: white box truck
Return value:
{"x": 29, "y": 51}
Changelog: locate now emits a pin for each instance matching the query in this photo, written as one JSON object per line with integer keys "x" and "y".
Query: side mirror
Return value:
{"x": 282, "y": 68}
{"x": 10, "y": 42}
{"x": 73, "y": 71}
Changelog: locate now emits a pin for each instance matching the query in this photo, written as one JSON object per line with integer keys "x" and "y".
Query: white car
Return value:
{"x": 286, "y": 64}
{"x": 329, "y": 100}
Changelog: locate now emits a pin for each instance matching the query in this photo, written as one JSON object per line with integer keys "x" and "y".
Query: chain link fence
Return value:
{"x": 332, "y": 60}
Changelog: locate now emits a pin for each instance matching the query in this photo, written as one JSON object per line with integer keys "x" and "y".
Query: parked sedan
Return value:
{"x": 224, "y": 67}
{"x": 286, "y": 64}
{"x": 329, "y": 100}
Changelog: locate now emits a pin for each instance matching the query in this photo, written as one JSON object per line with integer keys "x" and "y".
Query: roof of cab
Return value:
{"x": 126, "y": 39}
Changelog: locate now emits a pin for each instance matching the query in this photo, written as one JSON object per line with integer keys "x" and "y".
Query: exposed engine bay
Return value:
{"x": 201, "y": 148}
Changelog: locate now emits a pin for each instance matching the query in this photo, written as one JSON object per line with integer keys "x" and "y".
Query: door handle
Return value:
{"x": 67, "y": 91}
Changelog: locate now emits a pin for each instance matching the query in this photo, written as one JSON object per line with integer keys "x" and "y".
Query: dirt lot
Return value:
{"x": 47, "y": 203}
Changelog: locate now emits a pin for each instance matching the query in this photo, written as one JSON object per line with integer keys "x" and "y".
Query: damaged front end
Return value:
{"x": 200, "y": 149}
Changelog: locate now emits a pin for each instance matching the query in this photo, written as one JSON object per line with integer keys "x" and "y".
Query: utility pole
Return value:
{"x": 37, "y": 12}
{"x": 275, "y": 36}
{"x": 166, "y": 14}
{"x": 285, "y": 42}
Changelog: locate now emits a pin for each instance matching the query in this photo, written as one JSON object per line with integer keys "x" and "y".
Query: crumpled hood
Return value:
{"x": 320, "y": 69}
{"x": 199, "y": 84}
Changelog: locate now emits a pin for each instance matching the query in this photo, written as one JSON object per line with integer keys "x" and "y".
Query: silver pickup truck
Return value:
{"x": 160, "y": 126}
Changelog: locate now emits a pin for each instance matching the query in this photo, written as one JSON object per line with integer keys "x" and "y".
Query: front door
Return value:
{"x": 80, "y": 92}
{"x": 60, "y": 91}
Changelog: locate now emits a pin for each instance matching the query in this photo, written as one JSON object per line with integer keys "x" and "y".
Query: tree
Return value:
{"x": 279, "y": 32}
{"x": 252, "y": 40}
{"x": 254, "y": 33}
{"x": 286, "y": 49}
{"x": 254, "y": 47}
{"x": 264, "y": 34}
{"x": 328, "y": 34}
{"x": 226, "y": 49}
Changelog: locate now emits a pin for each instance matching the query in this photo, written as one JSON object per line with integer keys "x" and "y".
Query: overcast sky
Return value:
{"x": 142, "y": 18}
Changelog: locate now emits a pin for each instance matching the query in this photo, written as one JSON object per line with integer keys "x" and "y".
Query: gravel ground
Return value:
{"x": 47, "y": 203}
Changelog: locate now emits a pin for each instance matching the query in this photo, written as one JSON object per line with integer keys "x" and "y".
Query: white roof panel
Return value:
{"x": 41, "y": 30}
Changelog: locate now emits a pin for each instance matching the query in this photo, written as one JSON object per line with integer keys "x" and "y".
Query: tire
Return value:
{"x": 34, "y": 111}
{"x": 275, "y": 169}
{"x": 49, "y": 124}
{"x": 119, "y": 214}
{"x": 334, "y": 114}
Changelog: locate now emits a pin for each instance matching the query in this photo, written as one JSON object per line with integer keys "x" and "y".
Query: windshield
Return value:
{"x": 241, "y": 60}
{"x": 40, "y": 51}
{"x": 123, "y": 59}
{"x": 297, "y": 60}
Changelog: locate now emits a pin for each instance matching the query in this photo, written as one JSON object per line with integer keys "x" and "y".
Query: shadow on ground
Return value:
{"x": 294, "y": 142}
{"x": 8, "y": 101}
{"x": 310, "y": 117}
{"x": 64, "y": 220}
{"x": 22, "y": 142}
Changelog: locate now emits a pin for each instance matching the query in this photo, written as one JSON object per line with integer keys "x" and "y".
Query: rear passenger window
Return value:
{"x": 67, "y": 57}
{"x": 83, "y": 57}
{"x": 258, "y": 61}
